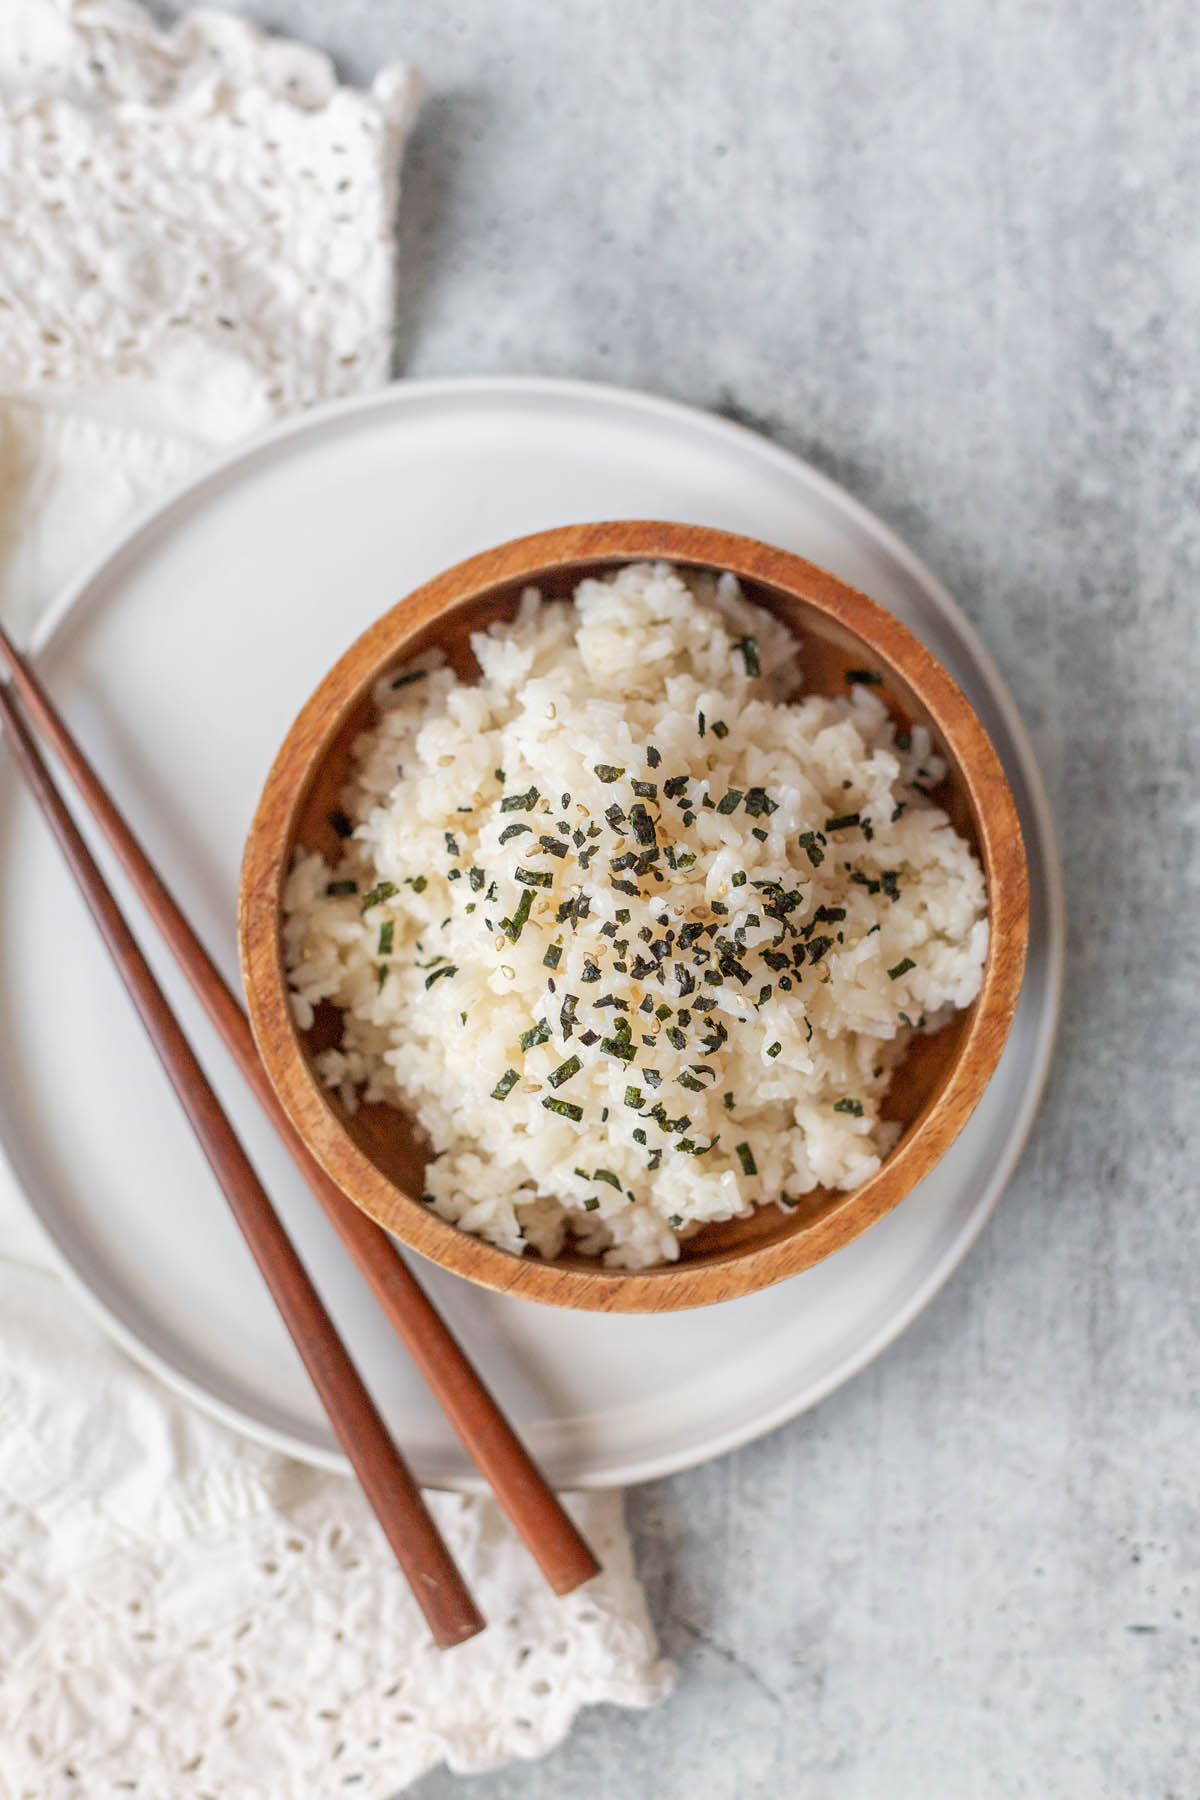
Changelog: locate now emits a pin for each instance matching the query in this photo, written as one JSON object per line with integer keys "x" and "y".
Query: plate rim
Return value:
{"x": 156, "y": 515}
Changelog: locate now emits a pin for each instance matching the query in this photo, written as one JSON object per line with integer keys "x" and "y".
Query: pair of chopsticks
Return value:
{"x": 394, "y": 1496}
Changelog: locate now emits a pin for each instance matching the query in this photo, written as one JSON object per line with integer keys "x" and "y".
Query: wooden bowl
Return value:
{"x": 377, "y": 1157}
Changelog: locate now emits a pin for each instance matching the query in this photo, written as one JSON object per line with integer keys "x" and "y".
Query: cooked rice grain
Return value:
{"x": 602, "y": 1037}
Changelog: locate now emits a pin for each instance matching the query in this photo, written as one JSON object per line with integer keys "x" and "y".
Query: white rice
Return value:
{"x": 438, "y": 984}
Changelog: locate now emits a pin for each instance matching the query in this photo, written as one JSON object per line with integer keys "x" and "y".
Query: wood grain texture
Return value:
{"x": 376, "y": 1157}
{"x": 394, "y": 1496}
{"x": 534, "y": 1509}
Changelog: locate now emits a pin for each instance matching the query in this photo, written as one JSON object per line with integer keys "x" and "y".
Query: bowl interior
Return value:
{"x": 828, "y": 650}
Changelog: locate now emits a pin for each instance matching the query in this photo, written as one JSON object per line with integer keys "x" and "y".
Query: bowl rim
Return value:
{"x": 739, "y": 1270}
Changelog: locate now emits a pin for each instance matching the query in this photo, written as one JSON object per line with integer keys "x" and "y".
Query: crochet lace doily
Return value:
{"x": 196, "y": 235}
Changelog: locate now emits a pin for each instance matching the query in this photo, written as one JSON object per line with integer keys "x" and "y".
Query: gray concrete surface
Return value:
{"x": 951, "y": 253}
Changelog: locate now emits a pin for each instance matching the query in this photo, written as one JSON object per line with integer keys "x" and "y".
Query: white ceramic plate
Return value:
{"x": 181, "y": 659}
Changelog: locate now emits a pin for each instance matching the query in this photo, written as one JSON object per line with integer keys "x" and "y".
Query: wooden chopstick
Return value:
{"x": 534, "y": 1509}
{"x": 394, "y": 1496}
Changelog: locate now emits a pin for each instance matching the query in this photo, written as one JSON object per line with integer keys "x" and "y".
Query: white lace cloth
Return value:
{"x": 184, "y": 1615}
{"x": 196, "y": 236}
